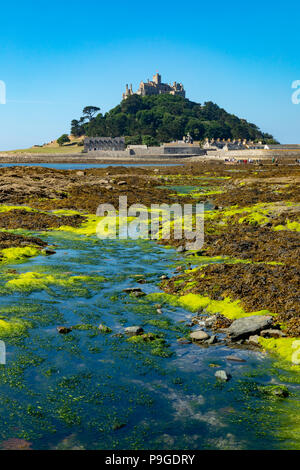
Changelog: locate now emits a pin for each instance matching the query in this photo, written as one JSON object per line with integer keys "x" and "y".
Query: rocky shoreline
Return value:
{"x": 250, "y": 258}
{"x": 79, "y": 158}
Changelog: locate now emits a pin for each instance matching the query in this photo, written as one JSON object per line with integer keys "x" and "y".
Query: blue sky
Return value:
{"x": 57, "y": 57}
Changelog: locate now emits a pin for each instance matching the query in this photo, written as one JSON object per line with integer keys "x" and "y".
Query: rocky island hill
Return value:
{"x": 155, "y": 119}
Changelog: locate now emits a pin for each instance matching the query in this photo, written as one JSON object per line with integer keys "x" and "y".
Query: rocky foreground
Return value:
{"x": 252, "y": 240}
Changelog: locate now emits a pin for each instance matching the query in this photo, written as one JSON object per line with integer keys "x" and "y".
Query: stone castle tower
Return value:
{"x": 155, "y": 87}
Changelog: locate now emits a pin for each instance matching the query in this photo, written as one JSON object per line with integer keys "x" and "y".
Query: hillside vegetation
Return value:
{"x": 163, "y": 118}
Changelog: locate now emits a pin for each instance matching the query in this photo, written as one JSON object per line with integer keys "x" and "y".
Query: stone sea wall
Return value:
{"x": 255, "y": 154}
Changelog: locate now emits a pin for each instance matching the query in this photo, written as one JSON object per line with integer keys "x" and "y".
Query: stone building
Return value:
{"x": 235, "y": 144}
{"x": 182, "y": 148}
{"x": 94, "y": 144}
{"x": 156, "y": 87}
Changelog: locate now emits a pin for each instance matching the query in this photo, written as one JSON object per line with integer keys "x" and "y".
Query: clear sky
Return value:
{"x": 57, "y": 57}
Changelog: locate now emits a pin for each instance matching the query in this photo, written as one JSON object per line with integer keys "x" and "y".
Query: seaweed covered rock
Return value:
{"x": 8, "y": 240}
{"x": 134, "y": 330}
{"x": 104, "y": 328}
{"x": 34, "y": 220}
{"x": 220, "y": 322}
{"x": 275, "y": 391}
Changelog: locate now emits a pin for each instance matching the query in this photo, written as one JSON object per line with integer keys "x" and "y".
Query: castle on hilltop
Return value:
{"x": 155, "y": 87}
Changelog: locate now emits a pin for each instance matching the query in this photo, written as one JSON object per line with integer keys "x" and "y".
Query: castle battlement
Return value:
{"x": 155, "y": 87}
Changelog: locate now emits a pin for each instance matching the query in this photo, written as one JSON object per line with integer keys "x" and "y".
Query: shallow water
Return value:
{"x": 97, "y": 391}
{"x": 87, "y": 166}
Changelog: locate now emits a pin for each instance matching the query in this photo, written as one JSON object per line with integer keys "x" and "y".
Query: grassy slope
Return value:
{"x": 51, "y": 148}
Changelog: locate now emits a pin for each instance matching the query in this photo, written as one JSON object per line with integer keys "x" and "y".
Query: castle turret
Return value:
{"x": 128, "y": 92}
{"x": 157, "y": 79}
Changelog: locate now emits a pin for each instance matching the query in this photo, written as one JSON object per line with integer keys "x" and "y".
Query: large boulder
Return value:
{"x": 248, "y": 326}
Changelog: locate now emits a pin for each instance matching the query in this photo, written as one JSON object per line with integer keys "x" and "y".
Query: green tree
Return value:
{"x": 90, "y": 111}
{"x": 76, "y": 128}
{"x": 133, "y": 140}
{"x": 240, "y": 131}
{"x": 149, "y": 141}
{"x": 147, "y": 122}
{"x": 195, "y": 128}
{"x": 116, "y": 125}
{"x": 96, "y": 127}
{"x": 63, "y": 139}
{"x": 217, "y": 130}
{"x": 132, "y": 104}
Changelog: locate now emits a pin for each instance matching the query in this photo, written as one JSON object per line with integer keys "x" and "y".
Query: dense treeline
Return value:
{"x": 163, "y": 118}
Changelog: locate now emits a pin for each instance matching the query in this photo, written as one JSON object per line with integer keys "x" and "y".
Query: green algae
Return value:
{"x": 141, "y": 339}
{"x": 104, "y": 329}
{"x": 67, "y": 212}
{"x": 103, "y": 227}
{"x": 287, "y": 350}
{"x": 197, "y": 194}
{"x": 13, "y": 374}
{"x": 87, "y": 228}
{"x": 162, "y": 324}
{"x": 203, "y": 261}
{"x": 37, "y": 314}
{"x": 157, "y": 344}
{"x": 10, "y": 255}
{"x": 34, "y": 281}
{"x": 83, "y": 327}
{"x": 68, "y": 416}
{"x": 272, "y": 415}
{"x": 194, "y": 302}
{"x": 255, "y": 218}
{"x": 91, "y": 226}
{"x": 206, "y": 193}
{"x": 177, "y": 283}
{"x": 6, "y": 208}
{"x": 293, "y": 226}
{"x": 256, "y": 214}
{"x": 275, "y": 391}
{"x": 13, "y": 327}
